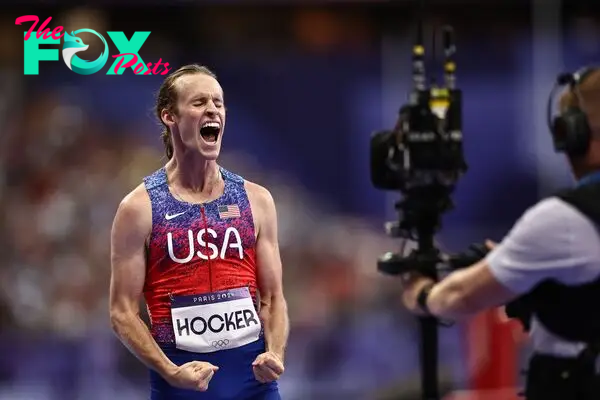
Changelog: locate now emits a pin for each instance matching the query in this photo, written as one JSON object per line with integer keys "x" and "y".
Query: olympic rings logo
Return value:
{"x": 217, "y": 344}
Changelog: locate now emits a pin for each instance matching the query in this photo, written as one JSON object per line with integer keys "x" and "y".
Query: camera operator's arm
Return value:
{"x": 546, "y": 243}
{"x": 462, "y": 293}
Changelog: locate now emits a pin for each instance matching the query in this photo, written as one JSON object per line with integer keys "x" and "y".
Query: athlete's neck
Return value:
{"x": 193, "y": 173}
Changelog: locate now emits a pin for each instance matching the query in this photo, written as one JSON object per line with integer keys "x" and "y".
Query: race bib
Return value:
{"x": 215, "y": 321}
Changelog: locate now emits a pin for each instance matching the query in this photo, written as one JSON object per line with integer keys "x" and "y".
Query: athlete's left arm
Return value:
{"x": 273, "y": 311}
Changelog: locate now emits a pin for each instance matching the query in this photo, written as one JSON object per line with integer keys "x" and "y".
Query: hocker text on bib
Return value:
{"x": 209, "y": 322}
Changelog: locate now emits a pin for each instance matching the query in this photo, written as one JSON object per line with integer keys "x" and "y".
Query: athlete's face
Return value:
{"x": 200, "y": 116}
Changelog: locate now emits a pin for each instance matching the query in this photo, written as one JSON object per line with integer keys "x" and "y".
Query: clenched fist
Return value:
{"x": 267, "y": 367}
{"x": 194, "y": 375}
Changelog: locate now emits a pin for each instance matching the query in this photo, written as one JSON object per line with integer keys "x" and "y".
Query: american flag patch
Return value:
{"x": 230, "y": 211}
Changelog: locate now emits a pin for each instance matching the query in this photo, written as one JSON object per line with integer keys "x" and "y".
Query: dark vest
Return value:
{"x": 570, "y": 312}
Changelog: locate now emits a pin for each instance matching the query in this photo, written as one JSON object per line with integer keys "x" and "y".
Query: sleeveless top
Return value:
{"x": 195, "y": 249}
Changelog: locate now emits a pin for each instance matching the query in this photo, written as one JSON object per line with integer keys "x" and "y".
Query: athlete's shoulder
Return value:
{"x": 259, "y": 195}
{"x": 135, "y": 210}
{"x": 263, "y": 207}
{"x": 137, "y": 198}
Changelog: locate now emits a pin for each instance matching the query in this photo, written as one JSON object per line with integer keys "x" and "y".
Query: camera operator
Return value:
{"x": 548, "y": 265}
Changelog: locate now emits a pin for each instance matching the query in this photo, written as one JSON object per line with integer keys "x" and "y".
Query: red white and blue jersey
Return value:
{"x": 201, "y": 287}
{"x": 196, "y": 248}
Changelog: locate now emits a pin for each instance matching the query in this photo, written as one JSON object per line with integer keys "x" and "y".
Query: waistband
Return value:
{"x": 171, "y": 346}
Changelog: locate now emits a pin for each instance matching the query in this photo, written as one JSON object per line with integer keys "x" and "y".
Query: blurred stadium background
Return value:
{"x": 305, "y": 85}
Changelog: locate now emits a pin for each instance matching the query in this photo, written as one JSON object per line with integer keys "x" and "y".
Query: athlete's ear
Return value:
{"x": 167, "y": 117}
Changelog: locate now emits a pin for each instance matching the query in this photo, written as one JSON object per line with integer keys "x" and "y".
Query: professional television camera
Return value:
{"x": 422, "y": 157}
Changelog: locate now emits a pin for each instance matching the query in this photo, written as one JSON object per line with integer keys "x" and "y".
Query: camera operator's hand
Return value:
{"x": 490, "y": 245}
{"x": 412, "y": 284}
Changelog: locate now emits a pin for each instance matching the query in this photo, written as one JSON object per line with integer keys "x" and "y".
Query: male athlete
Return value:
{"x": 550, "y": 259}
{"x": 201, "y": 244}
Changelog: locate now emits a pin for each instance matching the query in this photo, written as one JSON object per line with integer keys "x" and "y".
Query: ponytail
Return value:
{"x": 167, "y": 141}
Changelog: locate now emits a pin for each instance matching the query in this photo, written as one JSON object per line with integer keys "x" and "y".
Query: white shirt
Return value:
{"x": 552, "y": 240}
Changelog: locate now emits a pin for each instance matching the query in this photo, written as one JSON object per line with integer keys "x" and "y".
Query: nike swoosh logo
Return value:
{"x": 171, "y": 216}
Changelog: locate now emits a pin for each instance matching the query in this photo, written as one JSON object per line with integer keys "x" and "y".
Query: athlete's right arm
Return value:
{"x": 131, "y": 227}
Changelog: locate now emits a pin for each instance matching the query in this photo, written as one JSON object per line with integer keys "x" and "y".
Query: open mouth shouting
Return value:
{"x": 210, "y": 132}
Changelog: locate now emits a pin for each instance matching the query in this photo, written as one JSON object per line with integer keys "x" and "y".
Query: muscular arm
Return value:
{"x": 131, "y": 227}
{"x": 551, "y": 241}
{"x": 468, "y": 292}
{"x": 273, "y": 311}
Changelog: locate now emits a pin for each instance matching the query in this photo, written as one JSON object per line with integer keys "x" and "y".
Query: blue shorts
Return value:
{"x": 233, "y": 381}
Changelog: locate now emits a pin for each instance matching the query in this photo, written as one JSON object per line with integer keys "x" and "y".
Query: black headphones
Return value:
{"x": 570, "y": 129}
